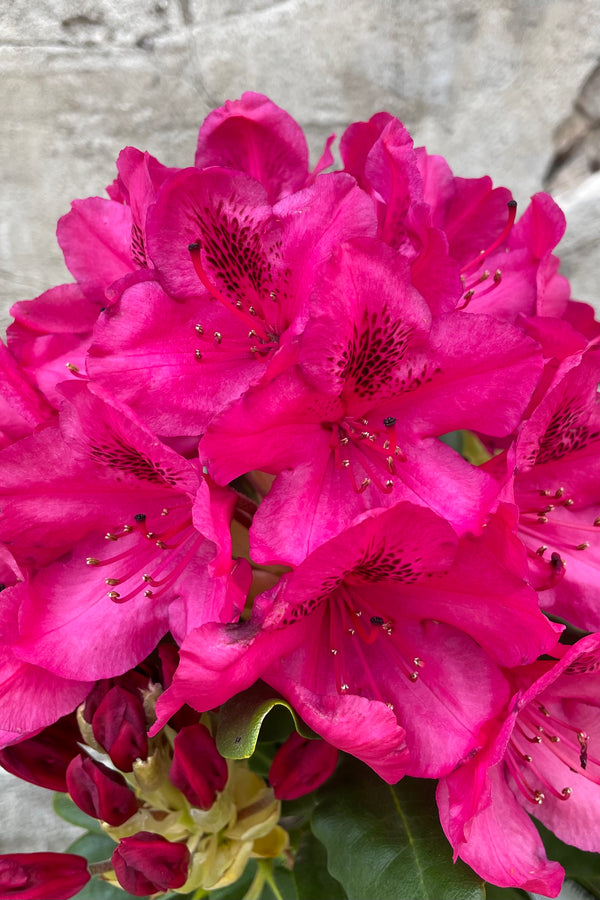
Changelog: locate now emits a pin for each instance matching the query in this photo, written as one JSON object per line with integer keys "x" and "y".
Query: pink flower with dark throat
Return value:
{"x": 378, "y": 380}
{"x": 374, "y": 640}
{"x": 141, "y": 543}
{"x": 540, "y": 758}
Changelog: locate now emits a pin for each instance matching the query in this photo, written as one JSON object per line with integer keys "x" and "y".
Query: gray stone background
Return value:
{"x": 511, "y": 89}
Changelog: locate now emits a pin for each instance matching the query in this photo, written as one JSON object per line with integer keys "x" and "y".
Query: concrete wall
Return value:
{"x": 506, "y": 88}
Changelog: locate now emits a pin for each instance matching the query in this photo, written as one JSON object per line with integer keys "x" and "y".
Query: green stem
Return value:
{"x": 255, "y": 889}
{"x": 267, "y": 867}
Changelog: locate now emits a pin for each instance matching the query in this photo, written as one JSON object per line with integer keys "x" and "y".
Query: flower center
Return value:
{"x": 368, "y": 454}
{"x": 261, "y": 336}
{"x": 537, "y": 734}
{"x": 152, "y": 560}
{"x": 545, "y": 515}
{"x": 351, "y": 631}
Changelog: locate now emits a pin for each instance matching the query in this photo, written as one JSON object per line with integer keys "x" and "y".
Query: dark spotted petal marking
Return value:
{"x": 117, "y": 454}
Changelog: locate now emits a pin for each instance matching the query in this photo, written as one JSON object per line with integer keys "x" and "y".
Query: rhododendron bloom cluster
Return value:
{"x": 330, "y": 433}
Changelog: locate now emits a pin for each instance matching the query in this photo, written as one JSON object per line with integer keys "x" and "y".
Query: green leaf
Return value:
{"x": 492, "y": 892}
{"x": 386, "y": 841}
{"x": 310, "y": 872}
{"x": 240, "y": 719}
{"x": 95, "y": 847}
{"x": 66, "y": 809}
{"x": 96, "y": 889}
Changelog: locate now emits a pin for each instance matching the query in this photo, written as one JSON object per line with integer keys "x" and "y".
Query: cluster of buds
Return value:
{"x": 183, "y": 818}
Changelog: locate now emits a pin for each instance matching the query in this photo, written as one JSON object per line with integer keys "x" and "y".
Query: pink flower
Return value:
{"x": 539, "y": 759}
{"x": 355, "y": 425}
{"x": 435, "y": 218}
{"x": 165, "y": 564}
{"x": 240, "y": 290}
{"x": 557, "y": 489}
{"x": 375, "y": 640}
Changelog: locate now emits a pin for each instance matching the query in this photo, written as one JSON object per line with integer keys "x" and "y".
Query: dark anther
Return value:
{"x": 140, "y": 517}
{"x": 512, "y": 204}
{"x": 103, "y": 308}
{"x": 376, "y": 620}
{"x": 556, "y": 562}
{"x": 194, "y": 246}
{"x": 2, "y": 586}
{"x": 389, "y": 421}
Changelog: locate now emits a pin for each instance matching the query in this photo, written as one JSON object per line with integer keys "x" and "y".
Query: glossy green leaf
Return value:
{"x": 66, "y": 809}
{"x": 497, "y": 893}
{"x": 95, "y": 847}
{"x": 310, "y": 872}
{"x": 240, "y": 720}
{"x": 96, "y": 889}
{"x": 386, "y": 841}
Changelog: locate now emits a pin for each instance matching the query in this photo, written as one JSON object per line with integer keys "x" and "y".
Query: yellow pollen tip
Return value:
{"x": 112, "y": 581}
{"x": 92, "y": 561}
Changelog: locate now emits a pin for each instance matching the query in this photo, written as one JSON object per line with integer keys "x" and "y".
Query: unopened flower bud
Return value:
{"x": 37, "y": 876}
{"x": 119, "y": 725}
{"x": 301, "y": 765}
{"x": 99, "y": 791}
{"x": 43, "y": 759}
{"x": 146, "y": 863}
{"x": 198, "y": 769}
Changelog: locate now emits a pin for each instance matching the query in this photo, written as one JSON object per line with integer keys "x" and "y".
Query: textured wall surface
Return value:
{"x": 507, "y": 88}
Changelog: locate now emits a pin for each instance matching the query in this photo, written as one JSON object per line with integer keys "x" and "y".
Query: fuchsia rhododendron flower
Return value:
{"x": 538, "y": 758}
{"x": 329, "y": 435}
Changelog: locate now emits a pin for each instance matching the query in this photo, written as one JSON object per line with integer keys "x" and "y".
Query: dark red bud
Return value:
{"x": 169, "y": 660}
{"x": 43, "y": 759}
{"x": 37, "y": 876}
{"x": 132, "y": 681}
{"x": 301, "y": 765}
{"x": 99, "y": 791}
{"x": 119, "y": 725}
{"x": 198, "y": 769}
{"x": 146, "y": 863}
